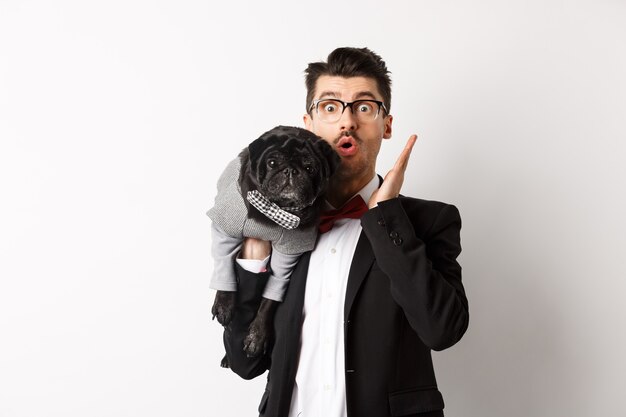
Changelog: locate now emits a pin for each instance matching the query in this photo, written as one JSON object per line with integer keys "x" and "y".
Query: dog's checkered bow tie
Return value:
{"x": 272, "y": 211}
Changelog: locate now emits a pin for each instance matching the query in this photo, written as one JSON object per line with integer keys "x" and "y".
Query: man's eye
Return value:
{"x": 330, "y": 108}
{"x": 364, "y": 108}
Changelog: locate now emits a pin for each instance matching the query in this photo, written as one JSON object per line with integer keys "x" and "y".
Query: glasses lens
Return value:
{"x": 330, "y": 110}
{"x": 365, "y": 109}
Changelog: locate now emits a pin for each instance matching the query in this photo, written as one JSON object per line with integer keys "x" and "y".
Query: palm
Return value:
{"x": 392, "y": 184}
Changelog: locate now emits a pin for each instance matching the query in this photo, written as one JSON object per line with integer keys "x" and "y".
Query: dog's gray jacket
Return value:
{"x": 231, "y": 224}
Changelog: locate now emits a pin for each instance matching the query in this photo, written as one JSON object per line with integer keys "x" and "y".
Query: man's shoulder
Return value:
{"x": 423, "y": 204}
{"x": 424, "y": 214}
{"x": 425, "y": 217}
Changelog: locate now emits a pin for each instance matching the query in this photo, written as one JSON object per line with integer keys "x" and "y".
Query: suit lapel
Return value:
{"x": 294, "y": 299}
{"x": 288, "y": 327}
{"x": 361, "y": 263}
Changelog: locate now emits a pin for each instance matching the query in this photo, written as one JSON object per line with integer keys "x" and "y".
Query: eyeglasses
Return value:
{"x": 330, "y": 110}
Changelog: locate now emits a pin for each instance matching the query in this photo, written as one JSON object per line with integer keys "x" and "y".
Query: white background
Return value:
{"x": 117, "y": 117}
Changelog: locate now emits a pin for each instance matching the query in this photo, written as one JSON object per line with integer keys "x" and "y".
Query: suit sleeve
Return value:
{"x": 249, "y": 293}
{"x": 424, "y": 274}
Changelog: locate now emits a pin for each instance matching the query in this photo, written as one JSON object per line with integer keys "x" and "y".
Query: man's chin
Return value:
{"x": 348, "y": 170}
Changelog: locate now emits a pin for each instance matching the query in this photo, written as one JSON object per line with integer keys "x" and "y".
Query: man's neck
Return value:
{"x": 341, "y": 190}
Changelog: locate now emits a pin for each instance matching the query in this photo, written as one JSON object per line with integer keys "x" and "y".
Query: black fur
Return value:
{"x": 290, "y": 166}
{"x": 303, "y": 164}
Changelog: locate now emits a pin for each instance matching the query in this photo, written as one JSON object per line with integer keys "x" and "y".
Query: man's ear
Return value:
{"x": 308, "y": 121}
{"x": 387, "y": 127}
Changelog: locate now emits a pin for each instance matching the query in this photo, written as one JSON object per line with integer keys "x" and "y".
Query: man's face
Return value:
{"x": 355, "y": 140}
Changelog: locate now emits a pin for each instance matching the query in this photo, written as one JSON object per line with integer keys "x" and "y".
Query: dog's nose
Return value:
{"x": 290, "y": 171}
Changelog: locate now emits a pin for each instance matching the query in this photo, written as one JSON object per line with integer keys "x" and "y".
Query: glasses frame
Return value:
{"x": 348, "y": 104}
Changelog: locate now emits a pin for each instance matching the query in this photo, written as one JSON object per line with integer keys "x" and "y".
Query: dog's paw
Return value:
{"x": 254, "y": 344}
{"x": 224, "y": 363}
{"x": 224, "y": 307}
{"x": 260, "y": 330}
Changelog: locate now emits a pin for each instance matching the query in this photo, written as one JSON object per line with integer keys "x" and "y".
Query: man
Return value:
{"x": 354, "y": 334}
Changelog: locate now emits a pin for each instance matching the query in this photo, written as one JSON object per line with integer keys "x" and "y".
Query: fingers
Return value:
{"x": 403, "y": 159}
{"x": 395, "y": 177}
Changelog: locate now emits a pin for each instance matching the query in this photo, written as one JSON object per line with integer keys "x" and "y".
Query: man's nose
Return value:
{"x": 347, "y": 120}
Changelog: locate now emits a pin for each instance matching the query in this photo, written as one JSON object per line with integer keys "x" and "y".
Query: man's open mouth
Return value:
{"x": 346, "y": 146}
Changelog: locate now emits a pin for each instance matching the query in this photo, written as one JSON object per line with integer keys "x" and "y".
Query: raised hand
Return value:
{"x": 395, "y": 177}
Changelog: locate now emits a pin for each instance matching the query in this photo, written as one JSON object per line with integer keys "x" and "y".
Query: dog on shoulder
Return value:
{"x": 272, "y": 191}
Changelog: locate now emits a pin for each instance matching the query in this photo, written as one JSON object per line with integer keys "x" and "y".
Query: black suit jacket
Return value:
{"x": 404, "y": 298}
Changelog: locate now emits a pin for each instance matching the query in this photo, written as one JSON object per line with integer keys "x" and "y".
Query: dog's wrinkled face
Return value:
{"x": 291, "y": 167}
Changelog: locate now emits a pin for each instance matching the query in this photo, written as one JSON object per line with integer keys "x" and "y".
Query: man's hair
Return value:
{"x": 350, "y": 62}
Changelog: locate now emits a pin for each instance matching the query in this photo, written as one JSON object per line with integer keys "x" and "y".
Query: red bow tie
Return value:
{"x": 353, "y": 209}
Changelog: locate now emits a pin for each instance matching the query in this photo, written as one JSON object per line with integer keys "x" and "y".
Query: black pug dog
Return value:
{"x": 281, "y": 178}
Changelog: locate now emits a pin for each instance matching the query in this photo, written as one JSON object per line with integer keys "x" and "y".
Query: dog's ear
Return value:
{"x": 258, "y": 146}
{"x": 329, "y": 155}
{"x": 330, "y": 158}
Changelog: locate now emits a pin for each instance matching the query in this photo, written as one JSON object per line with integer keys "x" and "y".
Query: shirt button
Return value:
{"x": 333, "y": 250}
{"x": 381, "y": 222}
{"x": 327, "y": 387}
{"x": 397, "y": 241}
{"x": 393, "y": 234}
{"x": 329, "y": 295}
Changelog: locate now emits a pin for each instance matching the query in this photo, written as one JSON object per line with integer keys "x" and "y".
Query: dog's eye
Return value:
{"x": 309, "y": 168}
{"x": 271, "y": 163}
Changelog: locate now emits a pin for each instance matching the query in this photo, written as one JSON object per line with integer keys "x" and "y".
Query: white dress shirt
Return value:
{"x": 320, "y": 386}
